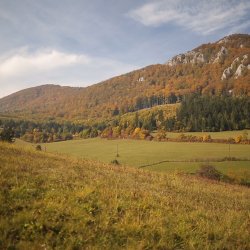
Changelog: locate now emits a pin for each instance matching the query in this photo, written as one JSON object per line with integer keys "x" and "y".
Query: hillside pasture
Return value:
{"x": 49, "y": 201}
{"x": 171, "y": 156}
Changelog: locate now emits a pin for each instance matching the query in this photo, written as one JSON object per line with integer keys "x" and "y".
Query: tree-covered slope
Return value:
{"x": 56, "y": 202}
{"x": 214, "y": 68}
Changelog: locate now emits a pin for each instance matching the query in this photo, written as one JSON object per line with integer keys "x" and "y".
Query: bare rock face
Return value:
{"x": 177, "y": 60}
{"x": 244, "y": 59}
{"x": 223, "y": 40}
{"x": 221, "y": 55}
{"x": 197, "y": 57}
{"x": 189, "y": 57}
{"x": 217, "y": 53}
{"x": 235, "y": 63}
{"x": 240, "y": 71}
{"x": 238, "y": 67}
{"x": 228, "y": 72}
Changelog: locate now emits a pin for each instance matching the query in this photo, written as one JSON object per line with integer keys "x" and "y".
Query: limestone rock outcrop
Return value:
{"x": 221, "y": 55}
{"x": 238, "y": 68}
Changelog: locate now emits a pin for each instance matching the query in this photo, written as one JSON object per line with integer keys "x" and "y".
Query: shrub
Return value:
{"x": 107, "y": 133}
{"x": 115, "y": 162}
{"x": 161, "y": 135}
{"x": 209, "y": 172}
{"x": 230, "y": 140}
{"x": 238, "y": 138}
{"x": 38, "y": 147}
{"x": 93, "y": 133}
{"x": 85, "y": 133}
{"x": 206, "y": 138}
{"x": 182, "y": 137}
{"x": 144, "y": 134}
{"x": 116, "y": 131}
{"x": 136, "y": 133}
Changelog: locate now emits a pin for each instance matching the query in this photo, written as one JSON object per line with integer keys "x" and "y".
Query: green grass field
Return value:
{"x": 50, "y": 201}
{"x": 138, "y": 153}
{"x": 237, "y": 170}
{"x": 141, "y": 152}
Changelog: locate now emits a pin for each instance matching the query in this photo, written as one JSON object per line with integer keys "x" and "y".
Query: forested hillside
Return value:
{"x": 211, "y": 69}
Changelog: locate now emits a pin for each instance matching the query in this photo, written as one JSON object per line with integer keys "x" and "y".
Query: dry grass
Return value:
{"x": 58, "y": 202}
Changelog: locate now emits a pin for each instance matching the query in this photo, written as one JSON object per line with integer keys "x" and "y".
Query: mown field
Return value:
{"x": 50, "y": 201}
{"x": 139, "y": 153}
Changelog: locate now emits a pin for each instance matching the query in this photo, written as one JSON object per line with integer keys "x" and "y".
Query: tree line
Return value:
{"x": 39, "y": 132}
{"x": 212, "y": 113}
{"x": 196, "y": 113}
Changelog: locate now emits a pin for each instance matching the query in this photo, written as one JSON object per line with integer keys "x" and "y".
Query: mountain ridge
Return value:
{"x": 211, "y": 68}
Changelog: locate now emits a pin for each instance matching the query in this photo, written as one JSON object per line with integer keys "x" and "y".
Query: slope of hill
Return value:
{"x": 105, "y": 206}
{"x": 214, "y": 68}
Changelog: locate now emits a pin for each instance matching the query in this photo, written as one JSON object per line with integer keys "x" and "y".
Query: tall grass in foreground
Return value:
{"x": 57, "y": 202}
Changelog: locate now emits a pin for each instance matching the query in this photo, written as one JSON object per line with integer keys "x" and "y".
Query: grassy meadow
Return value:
{"x": 50, "y": 201}
{"x": 139, "y": 153}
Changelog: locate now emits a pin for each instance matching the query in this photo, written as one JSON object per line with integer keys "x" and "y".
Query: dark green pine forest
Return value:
{"x": 211, "y": 113}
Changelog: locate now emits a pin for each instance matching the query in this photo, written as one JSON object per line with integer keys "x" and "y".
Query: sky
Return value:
{"x": 82, "y": 42}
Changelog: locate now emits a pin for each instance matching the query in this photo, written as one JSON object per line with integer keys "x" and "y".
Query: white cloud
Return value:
{"x": 202, "y": 16}
{"x": 24, "y": 62}
{"x": 22, "y": 68}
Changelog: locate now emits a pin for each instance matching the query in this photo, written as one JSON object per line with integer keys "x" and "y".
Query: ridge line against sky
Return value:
{"x": 80, "y": 42}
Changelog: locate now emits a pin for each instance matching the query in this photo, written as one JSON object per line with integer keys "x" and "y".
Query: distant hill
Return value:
{"x": 213, "y": 68}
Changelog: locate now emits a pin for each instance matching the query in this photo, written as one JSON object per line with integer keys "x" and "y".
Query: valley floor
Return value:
{"x": 160, "y": 156}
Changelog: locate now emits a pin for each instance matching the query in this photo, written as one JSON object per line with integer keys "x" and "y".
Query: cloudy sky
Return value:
{"x": 81, "y": 42}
